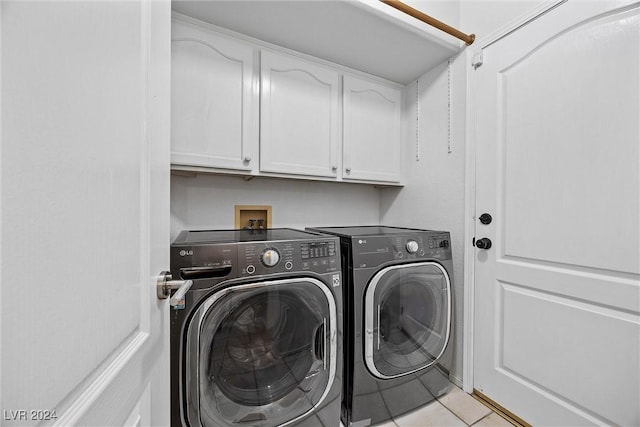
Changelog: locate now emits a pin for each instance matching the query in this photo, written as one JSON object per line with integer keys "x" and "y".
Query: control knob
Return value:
{"x": 270, "y": 257}
{"x": 412, "y": 246}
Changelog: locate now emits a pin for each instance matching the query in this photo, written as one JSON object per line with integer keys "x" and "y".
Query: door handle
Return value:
{"x": 320, "y": 343}
{"x": 483, "y": 243}
{"x": 165, "y": 285}
{"x": 378, "y": 326}
{"x": 205, "y": 272}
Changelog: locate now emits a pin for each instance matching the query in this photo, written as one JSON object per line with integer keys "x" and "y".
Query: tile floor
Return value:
{"x": 455, "y": 408}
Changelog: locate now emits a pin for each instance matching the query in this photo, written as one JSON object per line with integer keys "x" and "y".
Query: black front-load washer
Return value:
{"x": 398, "y": 314}
{"x": 259, "y": 342}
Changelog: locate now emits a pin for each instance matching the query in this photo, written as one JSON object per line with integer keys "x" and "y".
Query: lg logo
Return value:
{"x": 362, "y": 242}
{"x": 186, "y": 253}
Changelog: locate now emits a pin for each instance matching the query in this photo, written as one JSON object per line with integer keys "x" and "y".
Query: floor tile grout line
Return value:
{"x": 486, "y": 416}
{"x": 448, "y": 410}
{"x": 454, "y": 414}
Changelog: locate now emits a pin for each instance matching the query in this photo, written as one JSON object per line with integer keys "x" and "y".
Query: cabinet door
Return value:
{"x": 299, "y": 117}
{"x": 214, "y": 116}
{"x": 372, "y": 134}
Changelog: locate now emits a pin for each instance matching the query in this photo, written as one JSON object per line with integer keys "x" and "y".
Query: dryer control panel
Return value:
{"x": 371, "y": 251}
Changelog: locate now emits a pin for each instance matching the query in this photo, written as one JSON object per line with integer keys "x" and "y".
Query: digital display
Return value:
{"x": 318, "y": 250}
{"x": 438, "y": 243}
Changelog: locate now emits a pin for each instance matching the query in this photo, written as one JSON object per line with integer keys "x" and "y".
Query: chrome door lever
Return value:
{"x": 165, "y": 285}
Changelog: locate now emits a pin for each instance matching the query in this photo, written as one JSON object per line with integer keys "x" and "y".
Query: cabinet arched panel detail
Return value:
{"x": 299, "y": 122}
{"x": 372, "y": 135}
{"x": 384, "y": 97}
{"x": 213, "y": 48}
{"x": 214, "y": 113}
{"x": 300, "y": 70}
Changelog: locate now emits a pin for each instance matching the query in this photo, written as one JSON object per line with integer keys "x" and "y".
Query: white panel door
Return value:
{"x": 84, "y": 212}
{"x": 557, "y": 296}
{"x": 372, "y": 134}
{"x": 214, "y": 100}
{"x": 300, "y": 109}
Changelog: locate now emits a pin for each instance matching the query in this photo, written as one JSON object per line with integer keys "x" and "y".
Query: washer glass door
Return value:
{"x": 261, "y": 354}
{"x": 407, "y": 318}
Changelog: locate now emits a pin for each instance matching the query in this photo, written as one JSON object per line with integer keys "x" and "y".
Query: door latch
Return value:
{"x": 478, "y": 59}
{"x": 165, "y": 285}
{"x": 485, "y": 218}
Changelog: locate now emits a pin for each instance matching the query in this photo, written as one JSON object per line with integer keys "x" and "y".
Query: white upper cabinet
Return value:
{"x": 241, "y": 106}
{"x": 214, "y": 100}
{"x": 372, "y": 132}
{"x": 300, "y": 109}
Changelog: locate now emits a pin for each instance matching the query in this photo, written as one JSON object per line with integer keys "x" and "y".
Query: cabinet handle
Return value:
{"x": 348, "y": 170}
{"x": 247, "y": 159}
{"x": 334, "y": 169}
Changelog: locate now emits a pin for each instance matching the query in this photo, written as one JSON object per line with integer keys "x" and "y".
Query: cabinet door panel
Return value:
{"x": 372, "y": 135}
{"x": 299, "y": 117}
{"x": 214, "y": 116}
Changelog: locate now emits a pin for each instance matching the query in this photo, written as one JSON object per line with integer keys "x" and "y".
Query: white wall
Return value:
{"x": 207, "y": 202}
{"x": 447, "y": 11}
{"x": 485, "y": 17}
{"x": 433, "y": 196}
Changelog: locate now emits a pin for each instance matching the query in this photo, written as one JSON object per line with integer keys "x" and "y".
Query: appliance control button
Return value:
{"x": 251, "y": 269}
{"x": 270, "y": 257}
{"x": 412, "y": 246}
{"x": 288, "y": 265}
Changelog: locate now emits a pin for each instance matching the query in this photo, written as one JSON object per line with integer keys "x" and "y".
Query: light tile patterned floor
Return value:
{"x": 455, "y": 408}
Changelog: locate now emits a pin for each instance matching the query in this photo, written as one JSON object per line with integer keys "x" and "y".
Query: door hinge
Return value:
{"x": 478, "y": 59}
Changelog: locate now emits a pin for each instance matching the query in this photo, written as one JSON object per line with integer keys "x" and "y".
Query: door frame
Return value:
{"x": 473, "y": 55}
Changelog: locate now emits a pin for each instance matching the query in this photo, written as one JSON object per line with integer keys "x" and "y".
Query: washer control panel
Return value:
{"x": 320, "y": 256}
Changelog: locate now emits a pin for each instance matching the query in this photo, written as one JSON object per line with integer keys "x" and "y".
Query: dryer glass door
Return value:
{"x": 261, "y": 354}
{"x": 407, "y": 318}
